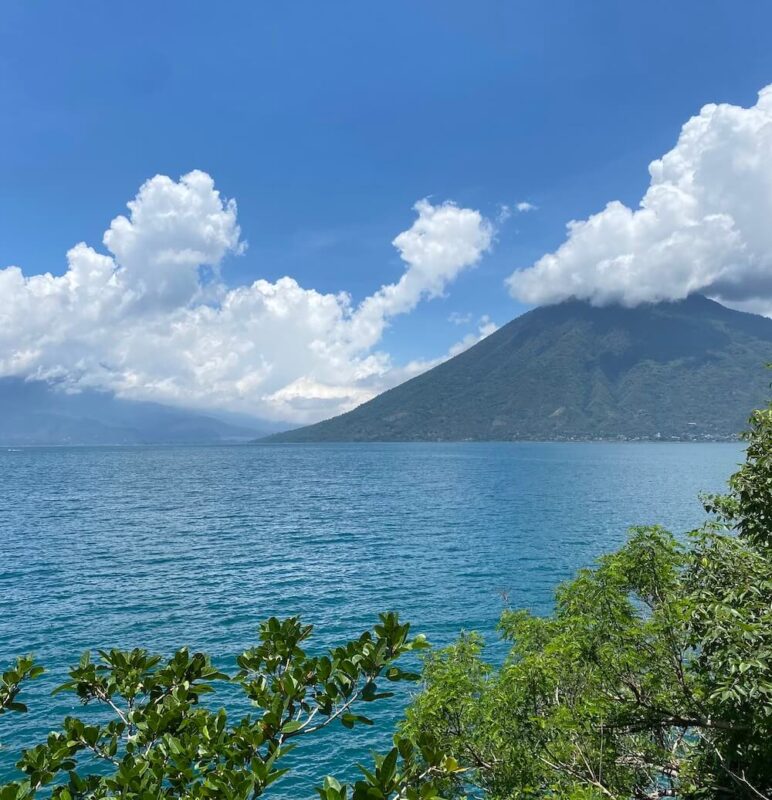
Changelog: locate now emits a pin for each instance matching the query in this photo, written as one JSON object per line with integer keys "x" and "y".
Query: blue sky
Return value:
{"x": 328, "y": 121}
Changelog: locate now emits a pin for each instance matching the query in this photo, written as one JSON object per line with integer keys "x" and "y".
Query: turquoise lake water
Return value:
{"x": 170, "y": 546}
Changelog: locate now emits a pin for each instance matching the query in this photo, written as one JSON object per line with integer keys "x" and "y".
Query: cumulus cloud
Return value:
{"x": 173, "y": 229}
{"x": 524, "y": 206}
{"x": 702, "y": 226}
{"x": 153, "y": 320}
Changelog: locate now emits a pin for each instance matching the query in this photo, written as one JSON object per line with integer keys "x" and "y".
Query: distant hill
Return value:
{"x": 35, "y": 413}
{"x": 689, "y": 370}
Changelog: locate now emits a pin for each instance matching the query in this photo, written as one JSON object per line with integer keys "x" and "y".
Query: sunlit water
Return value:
{"x": 166, "y": 546}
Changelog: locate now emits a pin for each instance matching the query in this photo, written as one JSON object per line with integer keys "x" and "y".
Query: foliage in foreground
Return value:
{"x": 160, "y": 741}
{"x": 652, "y": 678}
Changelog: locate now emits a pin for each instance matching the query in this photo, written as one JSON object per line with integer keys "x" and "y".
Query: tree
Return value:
{"x": 23, "y": 669}
{"x": 162, "y": 741}
{"x": 652, "y": 678}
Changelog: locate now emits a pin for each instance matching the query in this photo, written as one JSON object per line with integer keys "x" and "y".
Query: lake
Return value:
{"x": 170, "y": 546}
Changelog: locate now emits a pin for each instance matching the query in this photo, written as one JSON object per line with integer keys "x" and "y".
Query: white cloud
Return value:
{"x": 153, "y": 320}
{"x": 443, "y": 241}
{"x": 457, "y": 318}
{"x": 702, "y": 226}
{"x": 505, "y": 211}
{"x": 172, "y": 230}
{"x": 485, "y": 327}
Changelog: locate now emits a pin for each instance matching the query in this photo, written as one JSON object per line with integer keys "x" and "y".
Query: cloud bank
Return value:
{"x": 152, "y": 319}
{"x": 704, "y": 225}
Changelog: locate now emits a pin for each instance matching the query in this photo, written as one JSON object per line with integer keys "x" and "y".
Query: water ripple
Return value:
{"x": 162, "y": 547}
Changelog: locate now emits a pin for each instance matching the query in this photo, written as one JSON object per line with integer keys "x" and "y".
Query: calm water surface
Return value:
{"x": 166, "y": 546}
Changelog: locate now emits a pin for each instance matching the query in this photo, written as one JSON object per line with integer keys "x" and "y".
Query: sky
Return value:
{"x": 325, "y": 199}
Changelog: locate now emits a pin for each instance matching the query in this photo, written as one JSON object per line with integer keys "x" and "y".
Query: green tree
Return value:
{"x": 651, "y": 678}
{"x": 24, "y": 669}
{"x": 160, "y": 741}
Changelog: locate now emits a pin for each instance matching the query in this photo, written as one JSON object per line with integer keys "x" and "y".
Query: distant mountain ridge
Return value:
{"x": 35, "y": 413}
{"x": 682, "y": 370}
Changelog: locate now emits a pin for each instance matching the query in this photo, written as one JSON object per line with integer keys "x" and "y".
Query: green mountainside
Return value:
{"x": 687, "y": 370}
